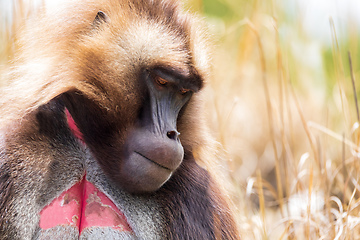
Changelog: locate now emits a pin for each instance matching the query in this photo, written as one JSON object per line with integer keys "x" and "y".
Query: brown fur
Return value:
{"x": 62, "y": 52}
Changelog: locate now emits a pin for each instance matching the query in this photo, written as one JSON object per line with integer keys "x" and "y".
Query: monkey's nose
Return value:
{"x": 174, "y": 135}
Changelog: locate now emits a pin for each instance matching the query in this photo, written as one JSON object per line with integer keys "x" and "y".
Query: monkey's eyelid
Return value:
{"x": 184, "y": 90}
{"x": 163, "y": 78}
{"x": 161, "y": 81}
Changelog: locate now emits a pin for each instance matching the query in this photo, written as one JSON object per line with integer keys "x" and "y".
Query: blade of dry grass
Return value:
{"x": 261, "y": 202}
{"x": 305, "y": 125}
{"x": 353, "y": 86}
{"x": 357, "y": 137}
{"x": 270, "y": 115}
{"x": 339, "y": 72}
{"x": 331, "y": 133}
{"x": 311, "y": 177}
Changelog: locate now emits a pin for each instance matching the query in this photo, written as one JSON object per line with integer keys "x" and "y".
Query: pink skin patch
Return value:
{"x": 72, "y": 125}
{"x": 64, "y": 210}
{"x": 101, "y": 211}
{"x": 83, "y": 206}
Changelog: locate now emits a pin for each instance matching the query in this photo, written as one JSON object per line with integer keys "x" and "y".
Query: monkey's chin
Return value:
{"x": 140, "y": 174}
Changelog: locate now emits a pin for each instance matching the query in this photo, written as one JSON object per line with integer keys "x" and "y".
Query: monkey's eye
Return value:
{"x": 184, "y": 91}
{"x": 161, "y": 81}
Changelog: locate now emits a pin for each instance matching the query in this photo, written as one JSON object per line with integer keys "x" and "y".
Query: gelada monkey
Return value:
{"x": 102, "y": 133}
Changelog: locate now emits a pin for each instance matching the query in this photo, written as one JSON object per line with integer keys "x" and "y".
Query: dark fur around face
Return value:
{"x": 130, "y": 73}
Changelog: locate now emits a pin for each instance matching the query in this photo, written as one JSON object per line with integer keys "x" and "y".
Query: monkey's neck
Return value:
{"x": 72, "y": 125}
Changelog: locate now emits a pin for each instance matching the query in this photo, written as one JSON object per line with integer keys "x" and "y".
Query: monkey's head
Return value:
{"x": 137, "y": 72}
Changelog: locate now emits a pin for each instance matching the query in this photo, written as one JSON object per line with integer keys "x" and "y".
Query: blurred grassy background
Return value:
{"x": 282, "y": 103}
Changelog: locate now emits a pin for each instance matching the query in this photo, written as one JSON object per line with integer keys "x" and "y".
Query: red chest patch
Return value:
{"x": 83, "y": 206}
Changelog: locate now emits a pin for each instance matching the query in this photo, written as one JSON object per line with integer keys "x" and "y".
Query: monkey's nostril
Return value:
{"x": 173, "y": 135}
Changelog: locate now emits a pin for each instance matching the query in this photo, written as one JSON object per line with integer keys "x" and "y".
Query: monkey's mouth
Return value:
{"x": 159, "y": 165}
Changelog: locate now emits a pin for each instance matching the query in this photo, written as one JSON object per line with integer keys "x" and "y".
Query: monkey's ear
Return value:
{"x": 100, "y": 18}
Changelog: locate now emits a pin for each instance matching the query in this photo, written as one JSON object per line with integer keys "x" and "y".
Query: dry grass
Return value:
{"x": 290, "y": 128}
{"x": 284, "y": 107}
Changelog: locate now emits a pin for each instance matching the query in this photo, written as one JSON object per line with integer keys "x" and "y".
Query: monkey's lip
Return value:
{"x": 142, "y": 155}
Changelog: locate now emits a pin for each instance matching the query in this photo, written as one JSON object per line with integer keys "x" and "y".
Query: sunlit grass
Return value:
{"x": 282, "y": 104}
{"x": 284, "y": 108}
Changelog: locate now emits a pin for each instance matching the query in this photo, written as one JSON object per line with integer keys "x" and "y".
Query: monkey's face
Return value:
{"x": 139, "y": 150}
{"x": 136, "y": 82}
{"x": 152, "y": 149}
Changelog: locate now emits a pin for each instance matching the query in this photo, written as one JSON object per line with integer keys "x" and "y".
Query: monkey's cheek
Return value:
{"x": 140, "y": 175}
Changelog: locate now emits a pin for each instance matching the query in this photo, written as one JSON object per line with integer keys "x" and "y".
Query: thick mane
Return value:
{"x": 51, "y": 41}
